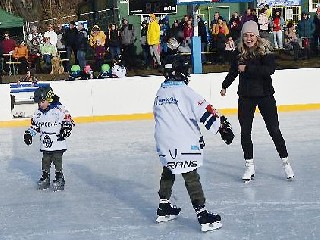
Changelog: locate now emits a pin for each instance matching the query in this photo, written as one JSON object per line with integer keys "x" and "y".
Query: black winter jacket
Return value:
{"x": 256, "y": 80}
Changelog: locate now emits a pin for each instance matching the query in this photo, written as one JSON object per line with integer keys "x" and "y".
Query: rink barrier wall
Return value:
{"x": 132, "y": 98}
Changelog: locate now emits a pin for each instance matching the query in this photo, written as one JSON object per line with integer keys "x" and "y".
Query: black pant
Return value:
{"x": 54, "y": 157}
{"x": 192, "y": 183}
{"x": 268, "y": 110}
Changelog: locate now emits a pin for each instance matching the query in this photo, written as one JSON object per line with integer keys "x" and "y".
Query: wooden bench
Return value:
{"x": 13, "y": 66}
{"x": 64, "y": 60}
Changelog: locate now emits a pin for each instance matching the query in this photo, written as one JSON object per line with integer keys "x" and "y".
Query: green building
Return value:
{"x": 104, "y": 12}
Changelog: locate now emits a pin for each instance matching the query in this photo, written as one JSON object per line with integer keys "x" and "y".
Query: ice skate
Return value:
{"x": 208, "y": 221}
{"x": 287, "y": 169}
{"x": 58, "y": 183}
{"x": 166, "y": 211}
{"x": 44, "y": 181}
{"x": 249, "y": 173}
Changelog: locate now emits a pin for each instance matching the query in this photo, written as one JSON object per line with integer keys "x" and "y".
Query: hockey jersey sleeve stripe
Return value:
{"x": 210, "y": 122}
{"x": 204, "y": 117}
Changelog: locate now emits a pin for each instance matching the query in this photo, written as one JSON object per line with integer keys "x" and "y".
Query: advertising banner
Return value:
{"x": 274, "y": 3}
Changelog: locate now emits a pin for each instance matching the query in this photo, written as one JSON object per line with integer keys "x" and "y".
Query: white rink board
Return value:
{"x": 135, "y": 95}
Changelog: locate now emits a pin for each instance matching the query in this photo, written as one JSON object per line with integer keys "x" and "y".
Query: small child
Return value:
{"x": 100, "y": 52}
{"x": 230, "y": 46}
{"x": 105, "y": 71}
{"x": 54, "y": 124}
{"x": 177, "y": 112}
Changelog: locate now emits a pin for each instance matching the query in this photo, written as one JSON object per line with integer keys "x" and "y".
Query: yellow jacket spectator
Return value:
{"x": 153, "y": 33}
{"x": 21, "y": 51}
{"x": 96, "y": 34}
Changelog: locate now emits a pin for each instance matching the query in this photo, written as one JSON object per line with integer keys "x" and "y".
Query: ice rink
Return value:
{"x": 112, "y": 177}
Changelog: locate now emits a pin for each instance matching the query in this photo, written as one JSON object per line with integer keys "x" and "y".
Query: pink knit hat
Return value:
{"x": 250, "y": 26}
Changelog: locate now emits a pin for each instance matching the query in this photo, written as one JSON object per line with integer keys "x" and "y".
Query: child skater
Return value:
{"x": 54, "y": 124}
{"x": 177, "y": 111}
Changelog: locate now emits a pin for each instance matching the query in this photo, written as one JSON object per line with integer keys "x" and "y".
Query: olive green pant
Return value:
{"x": 54, "y": 157}
{"x": 192, "y": 183}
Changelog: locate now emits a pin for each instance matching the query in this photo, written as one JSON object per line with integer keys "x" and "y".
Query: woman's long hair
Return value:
{"x": 262, "y": 47}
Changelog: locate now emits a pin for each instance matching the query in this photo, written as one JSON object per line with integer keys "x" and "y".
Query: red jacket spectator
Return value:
{"x": 8, "y": 44}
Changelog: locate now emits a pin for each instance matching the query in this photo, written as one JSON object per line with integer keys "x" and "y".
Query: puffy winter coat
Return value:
{"x": 153, "y": 33}
{"x": 256, "y": 80}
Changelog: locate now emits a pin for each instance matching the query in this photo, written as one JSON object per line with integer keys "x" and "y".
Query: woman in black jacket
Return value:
{"x": 254, "y": 63}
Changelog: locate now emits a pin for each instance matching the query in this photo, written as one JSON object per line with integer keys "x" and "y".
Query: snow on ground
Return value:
{"x": 112, "y": 175}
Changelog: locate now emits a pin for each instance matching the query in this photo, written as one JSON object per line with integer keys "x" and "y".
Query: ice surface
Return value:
{"x": 112, "y": 177}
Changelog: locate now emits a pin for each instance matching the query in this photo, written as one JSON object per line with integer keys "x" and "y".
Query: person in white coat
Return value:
{"x": 177, "y": 111}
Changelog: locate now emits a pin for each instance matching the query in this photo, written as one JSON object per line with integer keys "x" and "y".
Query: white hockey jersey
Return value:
{"x": 48, "y": 124}
{"x": 177, "y": 111}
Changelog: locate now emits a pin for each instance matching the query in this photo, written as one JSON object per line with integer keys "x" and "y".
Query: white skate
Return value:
{"x": 249, "y": 173}
{"x": 287, "y": 169}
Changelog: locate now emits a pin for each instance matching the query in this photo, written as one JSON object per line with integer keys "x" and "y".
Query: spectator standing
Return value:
{"x": 254, "y": 63}
{"x": 71, "y": 38}
{"x": 8, "y": 46}
{"x": 306, "y": 30}
{"x": 99, "y": 54}
{"x": 316, "y": 37}
{"x": 82, "y": 45}
{"x": 213, "y": 24}
{"x": 248, "y": 16}
{"x": 144, "y": 44}
{"x": 164, "y": 35}
{"x": 277, "y": 25}
{"x": 188, "y": 32}
{"x": 114, "y": 41}
{"x": 97, "y": 34}
{"x": 235, "y": 26}
{"x": 220, "y": 32}
{"x": 264, "y": 23}
{"x": 51, "y": 34}
{"x": 176, "y": 31}
{"x": 128, "y": 37}
{"x": 21, "y": 54}
{"x": 268, "y": 12}
{"x": 153, "y": 39}
{"x": 61, "y": 48}
{"x": 202, "y": 33}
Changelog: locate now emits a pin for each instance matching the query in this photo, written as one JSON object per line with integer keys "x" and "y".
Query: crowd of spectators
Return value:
{"x": 158, "y": 38}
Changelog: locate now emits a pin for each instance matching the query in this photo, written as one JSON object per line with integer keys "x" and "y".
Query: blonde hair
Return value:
{"x": 261, "y": 48}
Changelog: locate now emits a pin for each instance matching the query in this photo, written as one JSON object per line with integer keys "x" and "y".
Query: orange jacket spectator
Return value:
{"x": 21, "y": 51}
{"x": 220, "y": 28}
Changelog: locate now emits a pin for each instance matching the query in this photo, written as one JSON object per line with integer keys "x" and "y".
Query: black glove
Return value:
{"x": 27, "y": 137}
{"x": 65, "y": 131}
{"x": 225, "y": 130}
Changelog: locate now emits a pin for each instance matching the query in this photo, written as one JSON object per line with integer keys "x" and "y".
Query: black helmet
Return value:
{"x": 176, "y": 68}
{"x": 43, "y": 93}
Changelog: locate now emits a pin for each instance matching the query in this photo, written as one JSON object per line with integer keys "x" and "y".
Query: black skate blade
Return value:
{"x": 166, "y": 218}
{"x": 211, "y": 226}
